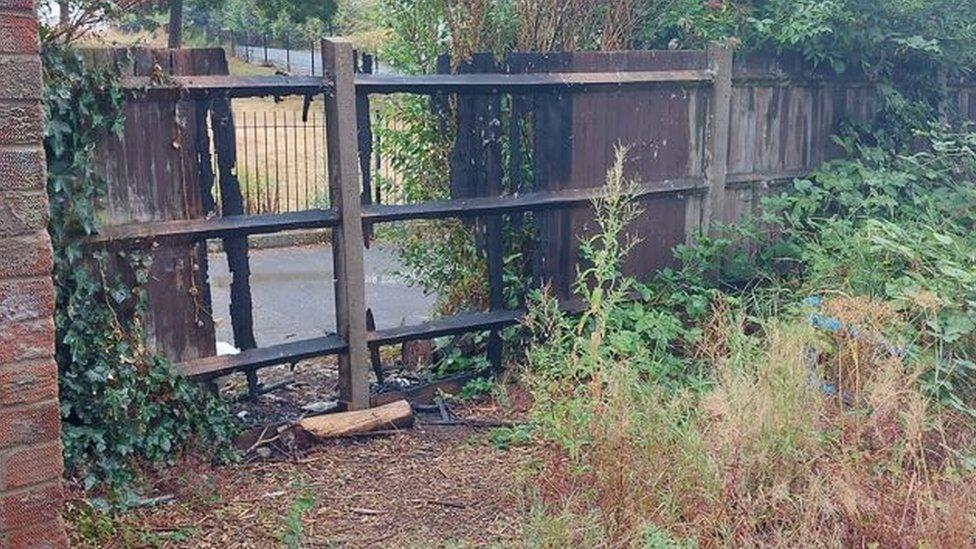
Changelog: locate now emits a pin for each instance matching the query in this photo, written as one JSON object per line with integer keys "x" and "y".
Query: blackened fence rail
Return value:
{"x": 346, "y": 215}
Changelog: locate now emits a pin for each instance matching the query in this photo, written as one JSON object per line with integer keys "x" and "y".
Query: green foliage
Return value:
{"x": 476, "y": 388}
{"x": 292, "y": 533}
{"x": 898, "y": 227}
{"x": 503, "y": 438}
{"x": 122, "y": 406}
{"x": 758, "y": 410}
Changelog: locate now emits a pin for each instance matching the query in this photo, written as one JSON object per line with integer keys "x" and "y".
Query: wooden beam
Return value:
{"x": 522, "y": 83}
{"x": 459, "y": 324}
{"x": 535, "y": 201}
{"x": 286, "y": 353}
{"x": 494, "y": 226}
{"x": 235, "y": 247}
{"x": 227, "y": 86}
{"x": 395, "y": 415}
{"x": 455, "y": 324}
{"x": 717, "y": 135}
{"x": 218, "y": 227}
{"x": 255, "y": 86}
{"x": 347, "y": 237}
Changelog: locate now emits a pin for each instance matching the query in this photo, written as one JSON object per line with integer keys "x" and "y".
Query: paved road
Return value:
{"x": 294, "y": 296}
{"x": 301, "y": 60}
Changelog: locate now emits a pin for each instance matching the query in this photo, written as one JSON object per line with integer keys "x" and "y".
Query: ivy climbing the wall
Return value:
{"x": 123, "y": 407}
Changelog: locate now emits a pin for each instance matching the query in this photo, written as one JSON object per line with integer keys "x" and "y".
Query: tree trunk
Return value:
{"x": 175, "y": 23}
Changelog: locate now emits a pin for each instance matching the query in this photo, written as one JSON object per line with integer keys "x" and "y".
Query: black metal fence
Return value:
{"x": 281, "y": 163}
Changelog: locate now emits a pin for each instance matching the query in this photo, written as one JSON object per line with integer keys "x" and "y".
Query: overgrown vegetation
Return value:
{"x": 815, "y": 392}
{"x": 904, "y": 48}
{"x": 123, "y": 407}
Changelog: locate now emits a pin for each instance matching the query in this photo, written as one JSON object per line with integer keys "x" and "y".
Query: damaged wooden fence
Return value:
{"x": 707, "y": 137}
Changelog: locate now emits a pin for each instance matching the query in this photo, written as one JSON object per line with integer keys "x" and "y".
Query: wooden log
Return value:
{"x": 396, "y": 415}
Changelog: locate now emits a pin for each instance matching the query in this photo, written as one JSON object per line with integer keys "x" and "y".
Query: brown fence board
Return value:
{"x": 152, "y": 176}
{"x": 575, "y": 137}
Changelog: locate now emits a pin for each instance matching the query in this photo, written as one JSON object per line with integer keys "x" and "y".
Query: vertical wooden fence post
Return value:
{"x": 494, "y": 228}
{"x": 347, "y": 236}
{"x": 717, "y": 136}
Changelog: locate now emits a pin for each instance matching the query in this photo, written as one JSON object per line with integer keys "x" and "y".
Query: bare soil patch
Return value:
{"x": 430, "y": 486}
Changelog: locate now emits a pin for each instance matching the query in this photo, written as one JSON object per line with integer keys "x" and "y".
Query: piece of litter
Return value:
{"x": 224, "y": 349}
{"x": 321, "y": 406}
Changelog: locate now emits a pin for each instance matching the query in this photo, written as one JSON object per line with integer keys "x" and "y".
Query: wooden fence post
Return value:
{"x": 347, "y": 236}
{"x": 717, "y": 136}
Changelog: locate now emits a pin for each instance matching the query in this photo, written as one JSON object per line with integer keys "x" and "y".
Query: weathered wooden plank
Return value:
{"x": 152, "y": 174}
{"x": 523, "y": 83}
{"x": 235, "y": 247}
{"x": 395, "y": 415}
{"x": 451, "y": 325}
{"x": 739, "y": 179}
{"x": 534, "y": 201}
{"x": 286, "y": 353}
{"x": 347, "y": 237}
{"x": 458, "y": 324}
{"x": 374, "y": 351}
{"x": 365, "y": 144}
{"x": 197, "y": 87}
{"x": 717, "y": 139}
{"x": 205, "y": 167}
{"x": 218, "y": 227}
{"x": 252, "y": 86}
{"x": 495, "y": 245}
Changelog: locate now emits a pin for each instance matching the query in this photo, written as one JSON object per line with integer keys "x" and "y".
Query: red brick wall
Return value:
{"x": 30, "y": 447}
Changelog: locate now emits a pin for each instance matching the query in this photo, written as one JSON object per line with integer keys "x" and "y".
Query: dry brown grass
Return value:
{"x": 765, "y": 458}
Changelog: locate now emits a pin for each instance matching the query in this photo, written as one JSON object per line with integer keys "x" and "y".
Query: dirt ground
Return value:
{"x": 430, "y": 486}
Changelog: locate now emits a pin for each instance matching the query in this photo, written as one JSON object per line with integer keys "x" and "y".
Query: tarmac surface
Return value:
{"x": 294, "y": 297}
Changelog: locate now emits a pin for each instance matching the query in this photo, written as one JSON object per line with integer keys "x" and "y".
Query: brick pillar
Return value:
{"x": 30, "y": 429}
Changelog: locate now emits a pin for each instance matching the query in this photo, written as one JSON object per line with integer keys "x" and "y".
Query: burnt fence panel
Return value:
{"x": 708, "y": 138}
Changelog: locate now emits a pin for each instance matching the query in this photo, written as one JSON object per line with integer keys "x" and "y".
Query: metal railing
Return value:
{"x": 281, "y": 163}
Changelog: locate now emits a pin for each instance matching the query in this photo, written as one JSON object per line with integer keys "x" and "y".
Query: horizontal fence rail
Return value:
{"x": 460, "y": 208}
